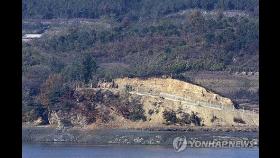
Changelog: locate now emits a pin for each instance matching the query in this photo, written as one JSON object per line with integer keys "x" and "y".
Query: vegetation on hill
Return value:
{"x": 131, "y": 38}
{"x": 49, "y": 9}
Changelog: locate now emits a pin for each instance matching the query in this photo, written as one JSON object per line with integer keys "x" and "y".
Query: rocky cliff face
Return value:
{"x": 148, "y": 103}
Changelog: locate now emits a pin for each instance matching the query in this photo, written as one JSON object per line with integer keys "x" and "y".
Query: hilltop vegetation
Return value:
{"x": 134, "y": 38}
{"x": 49, "y": 9}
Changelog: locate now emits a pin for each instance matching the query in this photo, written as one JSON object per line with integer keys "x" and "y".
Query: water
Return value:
{"x": 132, "y": 151}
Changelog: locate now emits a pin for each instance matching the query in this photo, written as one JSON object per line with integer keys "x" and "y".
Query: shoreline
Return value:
{"x": 105, "y": 136}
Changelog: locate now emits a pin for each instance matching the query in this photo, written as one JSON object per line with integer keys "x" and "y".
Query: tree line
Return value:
{"x": 49, "y": 9}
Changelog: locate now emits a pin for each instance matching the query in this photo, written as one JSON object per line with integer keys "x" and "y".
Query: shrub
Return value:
{"x": 132, "y": 110}
{"x": 178, "y": 67}
{"x": 128, "y": 88}
{"x": 104, "y": 114}
{"x": 150, "y": 112}
{"x": 170, "y": 117}
{"x": 195, "y": 119}
{"x": 137, "y": 113}
{"x": 213, "y": 118}
{"x": 33, "y": 113}
{"x": 239, "y": 120}
{"x": 186, "y": 119}
{"x": 55, "y": 94}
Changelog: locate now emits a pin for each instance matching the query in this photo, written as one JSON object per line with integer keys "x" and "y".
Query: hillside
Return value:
{"x": 147, "y": 103}
{"x": 53, "y": 9}
{"x": 86, "y": 42}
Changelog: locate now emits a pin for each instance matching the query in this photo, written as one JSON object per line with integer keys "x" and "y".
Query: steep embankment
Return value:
{"x": 161, "y": 95}
{"x": 176, "y": 88}
{"x": 150, "y": 103}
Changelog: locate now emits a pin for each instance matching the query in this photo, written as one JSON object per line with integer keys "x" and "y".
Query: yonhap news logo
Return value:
{"x": 181, "y": 143}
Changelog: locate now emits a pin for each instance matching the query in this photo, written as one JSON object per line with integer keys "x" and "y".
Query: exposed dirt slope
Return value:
{"x": 152, "y": 103}
{"x": 174, "y": 87}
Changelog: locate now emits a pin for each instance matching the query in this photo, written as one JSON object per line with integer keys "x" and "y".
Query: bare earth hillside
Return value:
{"x": 151, "y": 103}
{"x": 182, "y": 97}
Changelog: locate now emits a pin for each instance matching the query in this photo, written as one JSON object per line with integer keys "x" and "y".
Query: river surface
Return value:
{"x": 130, "y": 151}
